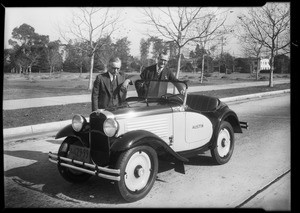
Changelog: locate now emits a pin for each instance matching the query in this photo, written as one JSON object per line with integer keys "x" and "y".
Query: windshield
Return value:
{"x": 154, "y": 92}
{"x": 157, "y": 88}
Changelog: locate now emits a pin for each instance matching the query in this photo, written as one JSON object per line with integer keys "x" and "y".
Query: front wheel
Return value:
{"x": 138, "y": 168}
{"x": 68, "y": 174}
{"x": 223, "y": 150}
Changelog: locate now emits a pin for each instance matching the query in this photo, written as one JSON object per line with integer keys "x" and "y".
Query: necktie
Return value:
{"x": 158, "y": 71}
{"x": 113, "y": 80}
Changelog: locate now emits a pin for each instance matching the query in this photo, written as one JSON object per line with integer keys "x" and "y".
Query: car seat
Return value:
{"x": 202, "y": 102}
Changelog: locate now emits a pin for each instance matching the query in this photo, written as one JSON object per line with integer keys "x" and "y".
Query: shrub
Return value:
{"x": 45, "y": 77}
{"x": 263, "y": 78}
{"x": 207, "y": 74}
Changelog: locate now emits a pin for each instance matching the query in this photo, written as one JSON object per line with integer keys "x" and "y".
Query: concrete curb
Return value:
{"x": 56, "y": 126}
{"x": 256, "y": 95}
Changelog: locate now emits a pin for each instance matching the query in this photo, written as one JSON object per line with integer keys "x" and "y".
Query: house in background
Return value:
{"x": 63, "y": 52}
{"x": 264, "y": 64}
{"x": 259, "y": 64}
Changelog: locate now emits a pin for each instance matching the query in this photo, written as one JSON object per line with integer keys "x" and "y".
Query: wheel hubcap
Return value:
{"x": 137, "y": 171}
{"x": 223, "y": 143}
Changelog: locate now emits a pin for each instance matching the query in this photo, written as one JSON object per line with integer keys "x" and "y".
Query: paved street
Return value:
{"x": 257, "y": 176}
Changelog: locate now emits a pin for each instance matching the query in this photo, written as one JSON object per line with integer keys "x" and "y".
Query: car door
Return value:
{"x": 198, "y": 128}
{"x": 190, "y": 130}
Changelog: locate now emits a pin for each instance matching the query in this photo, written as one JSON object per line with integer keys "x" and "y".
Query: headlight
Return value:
{"x": 78, "y": 122}
{"x": 110, "y": 127}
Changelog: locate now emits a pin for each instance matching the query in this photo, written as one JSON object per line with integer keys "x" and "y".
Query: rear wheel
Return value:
{"x": 68, "y": 174}
{"x": 225, "y": 144}
{"x": 138, "y": 168}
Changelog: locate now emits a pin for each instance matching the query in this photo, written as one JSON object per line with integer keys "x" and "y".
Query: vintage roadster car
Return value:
{"x": 124, "y": 144}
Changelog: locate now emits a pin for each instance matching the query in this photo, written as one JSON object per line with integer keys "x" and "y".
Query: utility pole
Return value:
{"x": 221, "y": 56}
{"x": 233, "y": 62}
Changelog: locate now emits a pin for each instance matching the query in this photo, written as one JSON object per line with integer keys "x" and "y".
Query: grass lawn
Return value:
{"x": 18, "y": 87}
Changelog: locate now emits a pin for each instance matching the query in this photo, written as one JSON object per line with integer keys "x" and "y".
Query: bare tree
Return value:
{"x": 210, "y": 28}
{"x": 177, "y": 25}
{"x": 144, "y": 51}
{"x": 252, "y": 49}
{"x": 91, "y": 25}
{"x": 270, "y": 27}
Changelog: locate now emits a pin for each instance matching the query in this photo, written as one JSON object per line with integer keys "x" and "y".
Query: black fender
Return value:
{"x": 225, "y": 114}
{"x": 68, "y": 131}
{"x": 143, "y": 137}
{"x": 232, "y": 118}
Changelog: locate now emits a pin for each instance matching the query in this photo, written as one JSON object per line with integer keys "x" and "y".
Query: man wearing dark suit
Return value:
{"x": 158, "y": 72}
{"x": 110, "y": 88}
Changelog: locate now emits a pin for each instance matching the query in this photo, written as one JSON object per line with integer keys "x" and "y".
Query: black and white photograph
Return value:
{"x": 147, "y": 107}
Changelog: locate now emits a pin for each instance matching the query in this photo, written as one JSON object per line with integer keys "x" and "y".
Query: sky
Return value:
{"x": 46, "y": 19}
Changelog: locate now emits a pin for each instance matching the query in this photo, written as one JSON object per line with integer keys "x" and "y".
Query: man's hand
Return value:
{"x": 125, "y": 85}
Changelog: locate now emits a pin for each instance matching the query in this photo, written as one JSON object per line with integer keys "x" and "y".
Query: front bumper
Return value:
{"x": 103, "y": 172}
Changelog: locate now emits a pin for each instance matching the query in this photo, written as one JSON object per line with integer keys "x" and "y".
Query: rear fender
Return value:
{"x": 231, "y": 117}
{"x": 142, "y": 137}
{"x": 224, "y": 113}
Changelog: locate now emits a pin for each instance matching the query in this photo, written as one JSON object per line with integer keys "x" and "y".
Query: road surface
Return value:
{"x": 257, "y": 176}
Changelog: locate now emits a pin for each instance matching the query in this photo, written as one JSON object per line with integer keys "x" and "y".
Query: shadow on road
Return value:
{"x": 201, "y": 160}
{"x": 43, "y": 176}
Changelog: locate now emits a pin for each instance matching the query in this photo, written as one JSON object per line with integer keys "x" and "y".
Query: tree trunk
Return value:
{"x": 50, "y": 70}
{"x": 105, "y": 67}
{"x": 178, "y": 62}
{"x": 91, "y": 72}
{"x": 141, "y": 68}
{"x": 271, "y": 69}
{"x": 80, "y": 71}
{"x": 202, "y": 69}
{"x": 258, "y": 68}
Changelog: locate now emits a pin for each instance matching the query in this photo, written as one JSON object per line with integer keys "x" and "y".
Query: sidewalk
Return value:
{"x": 61, "y": 100}
{"x": 54, "y": 127}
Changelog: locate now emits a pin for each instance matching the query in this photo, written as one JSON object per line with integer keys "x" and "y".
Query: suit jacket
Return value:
{"x": 101, "y": 93}
{"x": 150, "y": 73}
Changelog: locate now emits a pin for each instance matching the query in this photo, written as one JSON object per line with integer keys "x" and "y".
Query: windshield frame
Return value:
{"x": 145, "y": 85}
